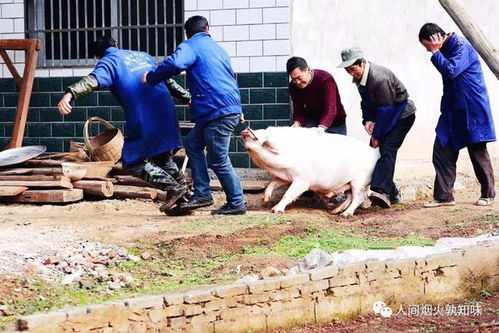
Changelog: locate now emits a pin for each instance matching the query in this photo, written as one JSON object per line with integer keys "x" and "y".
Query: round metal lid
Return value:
{"x": 18, "y": 155}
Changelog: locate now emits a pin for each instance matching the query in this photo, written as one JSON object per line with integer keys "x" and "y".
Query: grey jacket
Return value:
{"x": 384, "y": 88}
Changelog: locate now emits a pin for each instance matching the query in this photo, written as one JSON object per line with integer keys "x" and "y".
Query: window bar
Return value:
{"x": 70, "y": 56}
{"x": 52, "y": 35}
{"x": 86, "y": 33}
{"x": 94, "y": 32}
{"x": 129, "y": 24}
{"x": 77, "y": 6}
{"x": 115, "y": 18}
{"x": 61, "y": 60}
{"x": 147, "y": 23}
{"x": 156, "y": 30}
{"x": 174, "y": 28}
{"x": 164, "y": 29}
{"x": 40, "y": 24}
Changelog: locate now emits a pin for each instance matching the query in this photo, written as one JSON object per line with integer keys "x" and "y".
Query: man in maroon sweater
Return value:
{"x": 316, "y": 99}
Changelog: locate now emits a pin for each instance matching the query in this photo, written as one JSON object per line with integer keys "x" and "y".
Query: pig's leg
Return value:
{"x": 274, "y": 184}
{"x": 293, "y": 192}
{"x": 344, "y": 204}
{"x": 357, "y": 198}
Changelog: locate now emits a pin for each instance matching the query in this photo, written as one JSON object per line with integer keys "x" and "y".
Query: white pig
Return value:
{"x": 307, "y": 160}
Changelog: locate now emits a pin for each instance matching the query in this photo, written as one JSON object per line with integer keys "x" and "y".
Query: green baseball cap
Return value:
{"x": 349, "y": 56}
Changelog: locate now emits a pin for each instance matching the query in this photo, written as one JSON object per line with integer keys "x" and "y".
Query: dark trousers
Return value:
{"x": 382, "y": 179}
{"x": 444, "y": 161}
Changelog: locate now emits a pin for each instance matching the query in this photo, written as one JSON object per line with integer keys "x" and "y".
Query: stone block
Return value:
{"x": 286, "y": 294}
{"x": 156, "y": 316}
{"x": 443, "y": 260}
{"x": 145, "y": 302}
{"x": 255, "y": 298}
{"x": 353, "y": 268}
{"x": 244, "y": 323}
{"x": 231, "y": 290}
{"x": 406, "y": 267}
{"x": 42, "y": 322}
{"x": 292, "y": 313}
{"x": 174, "y": 311}
{"x": 343, "y": 280}
{"x": 173, "y": 299}
{"x": 294, "y": 280}
{"x": 198, "y": 297}
{"x": 235, "y": 313}
{"x": 347, "y": 290}
{"x": 337, "y": 307}
{"x": 263, "y": 285}
{"x": 193, "y": 309}
{"x": 313, "y": 286}
{"x": 214, "y": 305}
{"x": 177, "y": 322}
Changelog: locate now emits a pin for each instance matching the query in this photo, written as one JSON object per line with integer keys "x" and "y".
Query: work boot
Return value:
{"x": 196, "y": 202}
{"x": 379, "y": 199}
{"x": 179, "y": 177}
{"x": 160, "y": 179}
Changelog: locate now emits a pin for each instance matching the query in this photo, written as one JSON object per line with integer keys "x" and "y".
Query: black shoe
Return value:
{"x": 397, "y": 199}
{"x": 177, "y": 211}
{"x": 194, "y": 203}
{"x": 379, "y": 199}
{"x": 227, "y": 210}
{"x": 172, "y": 197}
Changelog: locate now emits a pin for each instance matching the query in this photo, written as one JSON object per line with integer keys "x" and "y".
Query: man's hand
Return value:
{"x": 320, "y": 130}
{"x": 144, "y": 78}
{"x": 374, "y": 143}
{"x": 296, "y": 124}
{"x": 435, "y": 43}
{"x": 64, "y": 105}
{"x": 369, "y": 126}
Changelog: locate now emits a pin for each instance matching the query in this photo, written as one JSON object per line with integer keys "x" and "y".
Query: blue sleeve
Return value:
{"x": 104, "y": 74}
{"x": 386, "y": 118}
{"x": 181, "y": 59}
{"x": 455, "y": 64}
{"x": 368, "y": 112}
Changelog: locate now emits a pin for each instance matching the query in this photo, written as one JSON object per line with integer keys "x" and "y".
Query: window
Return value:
{"x": 68, "y": 28}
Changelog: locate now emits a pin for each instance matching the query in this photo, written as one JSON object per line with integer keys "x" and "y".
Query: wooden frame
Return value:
{"x": 24, "y": 83}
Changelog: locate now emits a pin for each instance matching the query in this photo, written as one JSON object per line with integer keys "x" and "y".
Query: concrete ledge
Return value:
{"x": 314, "y": 297}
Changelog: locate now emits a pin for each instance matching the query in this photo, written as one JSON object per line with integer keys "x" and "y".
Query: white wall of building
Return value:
{"x": 255, "y": 33}
{"x": 387, "y": 31}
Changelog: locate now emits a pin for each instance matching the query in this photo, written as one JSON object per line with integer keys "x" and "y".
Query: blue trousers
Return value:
{"x": 215, "y": 138}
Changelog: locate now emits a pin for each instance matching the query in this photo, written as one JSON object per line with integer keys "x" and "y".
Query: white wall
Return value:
{"x": 255, "y": 33}
{"x": 387, "y": 31}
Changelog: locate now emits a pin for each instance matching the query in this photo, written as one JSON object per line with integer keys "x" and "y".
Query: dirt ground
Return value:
{"x": 37, "y": 230}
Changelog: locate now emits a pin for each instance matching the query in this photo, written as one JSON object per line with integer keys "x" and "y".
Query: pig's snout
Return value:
{"x": 246, "y": 135}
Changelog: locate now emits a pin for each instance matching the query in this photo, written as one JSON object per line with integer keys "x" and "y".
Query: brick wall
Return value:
{"x": 315, "y": 297}
{"x": 264, "y": 98}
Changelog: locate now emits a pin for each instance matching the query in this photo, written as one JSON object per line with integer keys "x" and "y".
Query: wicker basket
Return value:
{"x": 107, "y": 145}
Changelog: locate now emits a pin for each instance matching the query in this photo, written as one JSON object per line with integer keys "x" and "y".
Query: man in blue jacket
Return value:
{"x": 152, "y": 131}
{"x": 387, "y": 114}
{"x": 216, "y": 109}
{"x": 466, "y": 119}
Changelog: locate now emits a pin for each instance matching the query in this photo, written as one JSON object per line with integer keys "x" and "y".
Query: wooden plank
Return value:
{"x": 24, "y": 94}
{"x": 19, "y": 44}
{"x": 30, "y": 177}
{"x": 46, "y": 196}
{"x": 473, "y": 33}
{"x": 9, "y": 191}
{"x": 12, "y": 69}
{"x": 42, "y": 163}
{"x": 247, "y": 185}
{"x": 34, "y": 171}
{"x": 132, "y": 181}
{"x": 63, "y": 182}
{"x": 16, "y": 171}
{"x": 95, "y": 187}
{"x": 134, "y": 192}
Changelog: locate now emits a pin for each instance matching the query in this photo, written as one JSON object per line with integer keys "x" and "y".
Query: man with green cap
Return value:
{"x": 387, "y": 115}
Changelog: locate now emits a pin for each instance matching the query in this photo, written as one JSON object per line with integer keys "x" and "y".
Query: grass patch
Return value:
{"x": 330, "y": 241}
{"x": 231, "y": 224}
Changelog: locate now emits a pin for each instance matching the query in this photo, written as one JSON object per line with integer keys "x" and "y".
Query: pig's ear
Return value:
{"x": 270, "y": 146}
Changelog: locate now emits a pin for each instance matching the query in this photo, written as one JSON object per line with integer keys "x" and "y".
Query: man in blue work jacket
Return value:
{"x": 216, "y": 109}
{"x": 152, "y": 131}
{"x": 466, "y": 119}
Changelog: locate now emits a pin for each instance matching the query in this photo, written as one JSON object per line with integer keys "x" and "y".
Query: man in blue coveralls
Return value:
{"x": 216, "y": 109}
{"x": 465, "y": 120}
{"x": 152, "y": 131}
